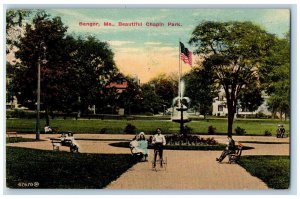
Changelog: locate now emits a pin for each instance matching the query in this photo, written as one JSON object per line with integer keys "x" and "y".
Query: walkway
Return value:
{"x": 185, "y": 169}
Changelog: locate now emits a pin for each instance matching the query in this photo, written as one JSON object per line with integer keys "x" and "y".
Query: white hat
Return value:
{"x": 142, "y": 133}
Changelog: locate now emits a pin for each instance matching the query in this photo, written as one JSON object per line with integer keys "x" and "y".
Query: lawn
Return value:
{"x": 253, "y": 127}
{"x": 20, "y": 139}
{"x": 53, "y": 169}
{"x": 273, "y": 170}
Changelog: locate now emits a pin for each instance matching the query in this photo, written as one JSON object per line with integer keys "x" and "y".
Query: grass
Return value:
{"x": 259, "y": 142}
{"x": 52, "y": 169}
{"x": 273, "y": 170}
{"x": 200, "y": 147}
{"x": 20, "y": 139}
{"x": 253, "y": 127}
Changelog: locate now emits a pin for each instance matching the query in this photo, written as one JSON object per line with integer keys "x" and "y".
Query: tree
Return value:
{"x": 234, "y": 52}
{"x": 150, "y": 101}
{"x": 95, "y": 67}
{"x": 75, "y": 69}
{"x": 251, "y": 97}
{"x": 276, "y": 77}
{"x": 43, "y": 40}
{"x": 14, "y": 24}
{"x": 131, "y": 97}
{"x": 166, "y": 88}
{"x": 200, "y": 88}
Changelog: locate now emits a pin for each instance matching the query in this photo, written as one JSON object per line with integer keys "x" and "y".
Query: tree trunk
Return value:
{"x": 230, "y": 122}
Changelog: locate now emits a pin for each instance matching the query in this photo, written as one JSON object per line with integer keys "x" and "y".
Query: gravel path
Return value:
{"x": 185, "y": 169}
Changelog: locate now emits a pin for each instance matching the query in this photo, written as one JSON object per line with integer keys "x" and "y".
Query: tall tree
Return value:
{"x": 276, "y": 77}
{"x": 234, "y": 51}
{"x": 95, "y": 67}
{"x": 200, "y": 88}
{"x": 74, "y": 71}
{"x": 150, "y": 102}
{"x": 165, "y": 87}
{"x": 43, "y": 40}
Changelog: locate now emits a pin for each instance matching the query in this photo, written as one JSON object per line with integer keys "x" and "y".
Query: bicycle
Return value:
{"x": 162, "y": 162}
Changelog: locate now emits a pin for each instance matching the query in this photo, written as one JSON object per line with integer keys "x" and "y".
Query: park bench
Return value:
{"x": 58, "y": 142}
{"x": 233, "y": 158}
{"x": 12, "y": 136}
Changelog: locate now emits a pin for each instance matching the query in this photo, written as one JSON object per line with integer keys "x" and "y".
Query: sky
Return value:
{"x": 146, "y": 51}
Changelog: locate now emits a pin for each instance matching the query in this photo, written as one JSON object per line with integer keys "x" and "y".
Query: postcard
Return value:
{"x": 148, "y": 98}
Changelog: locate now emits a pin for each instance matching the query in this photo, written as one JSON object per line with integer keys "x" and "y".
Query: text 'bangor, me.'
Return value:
{"x": 131, "y": 24}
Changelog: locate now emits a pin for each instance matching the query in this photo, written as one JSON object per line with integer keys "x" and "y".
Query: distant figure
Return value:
{"x": 230, "y": 149}
{"x": 48, "y": 129}
{"x": 280, "y": 131}
{"x": 159, "y": 141}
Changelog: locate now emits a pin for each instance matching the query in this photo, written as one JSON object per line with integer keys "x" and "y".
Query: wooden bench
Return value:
{"x": 56, "y": 143}
{"x": 12, "y": 136}
{"x": 233, "y": 158}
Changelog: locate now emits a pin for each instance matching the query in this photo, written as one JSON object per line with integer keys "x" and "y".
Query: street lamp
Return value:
{"x": 37, "y": 136}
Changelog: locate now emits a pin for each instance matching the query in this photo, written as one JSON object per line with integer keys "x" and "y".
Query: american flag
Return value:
{"x": 185, "y": 54}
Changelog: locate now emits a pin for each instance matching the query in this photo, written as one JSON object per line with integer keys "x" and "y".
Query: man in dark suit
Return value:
{"x": 230, "y": 149}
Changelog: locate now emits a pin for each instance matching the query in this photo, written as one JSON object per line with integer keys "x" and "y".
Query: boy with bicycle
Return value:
{"x": 159, "y": 141}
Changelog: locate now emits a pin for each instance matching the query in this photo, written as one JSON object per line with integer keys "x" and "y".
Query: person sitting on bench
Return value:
{"x": 230, "y": 149}
{"x": 143, "y": 145}
{"x": 48, "y": 129}
{"x": 134, "y": 147}
{"x": 67, "y": 139}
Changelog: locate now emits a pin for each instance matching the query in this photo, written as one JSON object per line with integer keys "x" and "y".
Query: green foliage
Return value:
{"x": 200, "y": 147}
{"x": 157, "y": 93}
{"x": 240, "y": 131}
{"x": 276, "y": 77}
{"x": 273, "y": 170}
{"x": 145, "y": 124}
{"x": 211, "y": 130}
{"x": 130, "y": 129}
{"x": 73, "y": 71}
{"x": 16, "y": 17}
{"x": 251, "y": 98}
{"x": 63, "y": 169}
{"x": 234, "y": 53}
{"x": 166, "y": 87}
{"x": 14, "y": 26}
{"x": 200, "y": 88}
{"x": 103, "y": 130}
{"x": 151, "y": 101}
{"x": 268, "y": 133}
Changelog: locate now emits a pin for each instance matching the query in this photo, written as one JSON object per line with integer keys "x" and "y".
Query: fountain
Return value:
{"x": 179, "y": 112}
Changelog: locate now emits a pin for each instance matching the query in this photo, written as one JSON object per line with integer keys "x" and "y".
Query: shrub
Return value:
{"x": 240, "y": 131}
{"x": 211, "y": 130}
{"x": 210, "y": 141}
{"x": 187, "y": 130}
{"x": 268, "y": 133}
{"x": 149, "y": 114}
{"x": 103, "y": 131}
{"x": 130, "y": 129}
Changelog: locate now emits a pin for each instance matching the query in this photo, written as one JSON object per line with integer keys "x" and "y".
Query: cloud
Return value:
{"x": 120, "y": 42}
{"x": 152, "y": 43}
